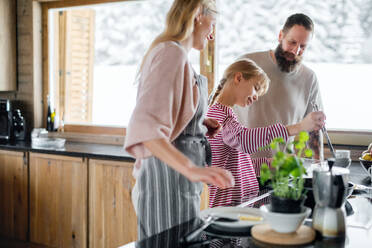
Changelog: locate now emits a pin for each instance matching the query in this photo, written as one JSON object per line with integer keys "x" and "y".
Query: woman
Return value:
{"x": 242, "y": 83}
{"x": 166, "y": 133}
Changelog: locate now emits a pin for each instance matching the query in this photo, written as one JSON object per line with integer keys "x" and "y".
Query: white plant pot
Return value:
{"x": 284, "y": 222}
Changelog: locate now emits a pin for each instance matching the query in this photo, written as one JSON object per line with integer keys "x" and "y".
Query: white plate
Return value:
{"x": 234, "y": 212}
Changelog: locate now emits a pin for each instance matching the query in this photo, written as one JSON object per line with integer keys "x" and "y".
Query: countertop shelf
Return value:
{"x": 76, "y": 149}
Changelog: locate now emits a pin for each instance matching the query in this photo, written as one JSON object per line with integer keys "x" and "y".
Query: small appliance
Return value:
{"x": 330, "y": 192}
{"x": 6, "y": 118}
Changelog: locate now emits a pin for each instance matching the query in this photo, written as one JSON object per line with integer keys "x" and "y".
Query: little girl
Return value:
{"x": 242, "y": 83}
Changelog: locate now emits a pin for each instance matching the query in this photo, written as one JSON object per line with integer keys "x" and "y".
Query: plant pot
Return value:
{"x": 286, "y": 205}
{"x": 284, "y": 222}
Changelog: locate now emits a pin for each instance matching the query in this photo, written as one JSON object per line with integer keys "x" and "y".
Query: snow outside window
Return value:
{"x": 103, "y": 94}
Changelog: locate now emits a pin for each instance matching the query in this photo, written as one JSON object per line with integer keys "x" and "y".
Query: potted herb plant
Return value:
{"x": 286, "y": 173}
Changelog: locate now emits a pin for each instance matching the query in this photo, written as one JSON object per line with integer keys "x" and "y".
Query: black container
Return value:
{"x": 19, "y": 125}
{"x": 285, "y": 205}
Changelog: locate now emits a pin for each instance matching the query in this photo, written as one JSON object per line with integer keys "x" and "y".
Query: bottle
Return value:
{"x": 53, "y": 115}
{"x": 55, "y": 121}
{"x": 49, "y": 124}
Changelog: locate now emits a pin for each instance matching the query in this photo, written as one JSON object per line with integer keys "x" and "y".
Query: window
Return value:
{"x": 94, "y": 53}
{"x": 339, "y": 53}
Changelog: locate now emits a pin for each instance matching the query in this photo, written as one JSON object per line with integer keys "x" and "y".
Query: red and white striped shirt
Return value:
{"x": 231, "y": 149}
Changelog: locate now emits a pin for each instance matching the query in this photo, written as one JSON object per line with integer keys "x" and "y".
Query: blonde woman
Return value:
{"x": 243, "y": 82}
{"x": 166, "y": 132}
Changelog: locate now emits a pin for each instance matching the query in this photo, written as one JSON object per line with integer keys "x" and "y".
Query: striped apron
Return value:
{"x": 162, "y": 197}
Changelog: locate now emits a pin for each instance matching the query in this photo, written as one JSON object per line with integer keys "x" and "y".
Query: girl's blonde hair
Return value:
{"x": 180, "y": 21}
{"x": 250, "y": 71}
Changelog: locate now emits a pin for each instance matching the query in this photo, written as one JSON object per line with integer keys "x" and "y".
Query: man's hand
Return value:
{"x": 213, "y": 127}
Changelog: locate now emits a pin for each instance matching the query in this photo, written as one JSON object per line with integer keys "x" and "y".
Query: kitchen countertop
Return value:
{"x": 358, "y": 232}
{"x": 75, "y": 149}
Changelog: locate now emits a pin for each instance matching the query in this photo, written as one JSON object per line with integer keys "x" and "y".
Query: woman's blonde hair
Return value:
{"x": 250, "y": 71}
{"x": 180, "y": 21}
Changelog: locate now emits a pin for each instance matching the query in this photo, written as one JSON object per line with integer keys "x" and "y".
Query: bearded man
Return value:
{"x": 292, "y": 89}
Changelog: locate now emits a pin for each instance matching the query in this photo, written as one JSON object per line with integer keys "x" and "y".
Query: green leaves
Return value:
{"x": 303, "y": 136}
{"x": 274, "y": 145}
{"x": 286, "y": 172}
{"x": 308, "y": 153}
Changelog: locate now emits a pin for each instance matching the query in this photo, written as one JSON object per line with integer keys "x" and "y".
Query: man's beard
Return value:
{"x": 284, "y": 64}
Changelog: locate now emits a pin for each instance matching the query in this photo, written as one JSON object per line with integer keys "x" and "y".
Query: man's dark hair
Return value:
{"x": 299, "y": 19}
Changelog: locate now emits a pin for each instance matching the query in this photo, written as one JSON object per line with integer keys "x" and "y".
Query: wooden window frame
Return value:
{"x": 207, "y": 63}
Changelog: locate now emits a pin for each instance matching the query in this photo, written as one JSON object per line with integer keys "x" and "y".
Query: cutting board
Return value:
{"x": 264, "y": 233}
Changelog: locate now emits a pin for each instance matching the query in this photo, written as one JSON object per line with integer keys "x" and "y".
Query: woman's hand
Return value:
{"x": 312, "y": 122}
{"x": 169, "y": 154}
{"x": 213, "y": 127}
{"x": 211, "y": 175}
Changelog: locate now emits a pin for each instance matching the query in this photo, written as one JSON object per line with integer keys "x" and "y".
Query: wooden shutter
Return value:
{"x": 77, "y": 59}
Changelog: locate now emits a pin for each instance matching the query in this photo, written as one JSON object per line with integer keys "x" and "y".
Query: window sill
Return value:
{"x": 89, "y": 138}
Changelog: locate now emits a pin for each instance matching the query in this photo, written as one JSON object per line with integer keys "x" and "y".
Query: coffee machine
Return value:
{"x": 6, "y": 116}
{"x": 330, "y": 192}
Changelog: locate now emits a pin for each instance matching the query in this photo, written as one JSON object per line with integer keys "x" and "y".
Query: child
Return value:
{"x": 243, "y": 82}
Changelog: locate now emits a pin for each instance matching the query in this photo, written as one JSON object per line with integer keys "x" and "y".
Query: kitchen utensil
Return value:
{"x": 189, "y": 237}
{"x": 324, "y": 130}
{"x": 310, "y": 201}
{"x": 245, "y": 217}
{"x": 331, "y": 162}
{"x": 265, "y": 234}
{"x": 343, "y": 158}
{"x": 330, "y": 192}
{"x": 240, "y": 228}
{"x": 256, "y": 199}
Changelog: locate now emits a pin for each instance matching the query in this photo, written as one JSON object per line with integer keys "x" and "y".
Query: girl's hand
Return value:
{"x": 210, "y": 175}
{"x": 312, "y": 122}
{"x": 213, "y": 127}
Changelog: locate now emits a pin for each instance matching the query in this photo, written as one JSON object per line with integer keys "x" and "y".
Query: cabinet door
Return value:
{"x": 112, "y": 220}
{"x": 58, "y": 200}
{"x": 13, "y": 194}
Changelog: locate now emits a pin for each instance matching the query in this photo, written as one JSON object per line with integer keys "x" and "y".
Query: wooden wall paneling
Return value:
{"x": 37, "y": 72}
{"x": 8, "y": 46}
{"x": 112, "y": 220}
{"x": 58, "y": 200}
{"x": 13, "y": 194}
{"x": 45, "y": 59}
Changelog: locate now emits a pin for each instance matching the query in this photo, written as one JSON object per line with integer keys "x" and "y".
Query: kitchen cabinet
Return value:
{"x": 58, "y": 200}
{"x": 8, "y": 45}
{"x": 13, "y": 194}
{"x": 112, "y": 219}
